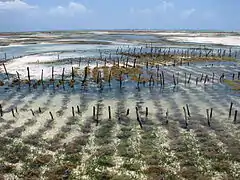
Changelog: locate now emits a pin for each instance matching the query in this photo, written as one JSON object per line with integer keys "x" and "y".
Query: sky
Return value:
{"x": 40, "y": 15}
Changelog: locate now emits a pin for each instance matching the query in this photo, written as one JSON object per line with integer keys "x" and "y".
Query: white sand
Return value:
{"x": 227, "y": 40}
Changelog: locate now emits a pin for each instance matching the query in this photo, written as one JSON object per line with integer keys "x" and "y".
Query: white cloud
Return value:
{"x": 163, "y": 7}
{"x": 70, "y": 10}
{"x": 6, "y": 5}
{"x": 187, "y": 13}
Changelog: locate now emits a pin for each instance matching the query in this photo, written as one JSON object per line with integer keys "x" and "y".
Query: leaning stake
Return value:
{"x": 230, "y": 110}
{"x": 51, "y": 115}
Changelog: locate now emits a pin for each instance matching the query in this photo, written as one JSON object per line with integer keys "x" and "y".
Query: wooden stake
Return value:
{"x": 163, "y": 81}
{"x": 29, "y": 80}
{"x": 167, "y": 117}
{"x": 208, "y": 117}
{"x": 120, "y": 79}
{"x": 174, "y": 81}
{"x": 139, "y": 76}
{"x": 73, "y": 113}
{"x": 134, "y": 63}
{"x": 94, "y": 112}
{"x": 201, "y": 78}
{"x": 78, "y": 109}
{"x": 13, "y": 113}
{"x": 185, "y": 116}
{"x": 146, "y": 111}
{"x": 127, "y": 112}
{"x": 5, "y": 71}
{"x": 18, "y": 76}
{"x": 109, "y": 112}
{"x": 188, "y": 111}
{"x": 72, "y": 73}
{"x": 138, "y": 118}
{"x": 185, "y": 78}
{"x": 52, "y": 73}
{"x": 97, "y": 114}
{"x": 230, "y": 110}
{"x": 211, "y": 113}
{"x": 109, "y": 78}
{"x": 39, "y": 110}
{"x": 63, "y": 74}
{"x": 32, "y": 112}
{"x": 205, "y": 80}
{"x": 235, "y": 116}
{"x": 42, "y": 77}
{"x": 51, "y": 115}
{"x": 189, "y": 79}
{"x": 1, "y": 111}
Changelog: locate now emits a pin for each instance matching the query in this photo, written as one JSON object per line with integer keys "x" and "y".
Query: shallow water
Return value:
{"x": 88, "y": 144}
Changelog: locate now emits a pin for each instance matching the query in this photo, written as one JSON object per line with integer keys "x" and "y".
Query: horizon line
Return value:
{"x": 124, "y": 29}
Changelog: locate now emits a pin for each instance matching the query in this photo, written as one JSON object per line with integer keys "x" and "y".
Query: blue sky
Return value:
{"x": 33, "y": 15}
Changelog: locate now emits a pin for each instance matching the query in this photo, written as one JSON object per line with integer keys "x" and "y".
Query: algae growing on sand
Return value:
{"x": 137, "y": 107}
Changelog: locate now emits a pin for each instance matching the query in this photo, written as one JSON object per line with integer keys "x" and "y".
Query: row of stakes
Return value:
{"x": 183, "y": 52}
{"x": 186, "y": 111}
{"x": 160, "y": 75}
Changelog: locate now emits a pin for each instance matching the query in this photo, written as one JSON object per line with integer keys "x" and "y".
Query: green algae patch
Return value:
{"x": 234, "y": 84}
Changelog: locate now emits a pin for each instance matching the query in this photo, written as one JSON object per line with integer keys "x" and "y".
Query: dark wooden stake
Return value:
{"x": 196, "y": 81}
{"x": 109, "y": 112}
{"x": 120, "y": 79}
{"x": 189, "y": 79}
{"x": 32, "y": 112}
{"x": 201, "y": 78}
{"x": 78, "y": 109}
{"x": 174, "y": 81}
{"x": 72, "y": 73}
{"x": 97, "y": 120}
{"x": 235, "y": 116}
{"x": 185, "y": 78}
{"x": 94, "y": 111}
{"x": 13, "y": 113}
{"x": 29, "y": 80}
{"x": 1, "y": 111}
{"x": 230, "y": 110}
{"x": 163, "y": 81}
{"x": 211, "y": 113}
{"x": 5, "y": 71}
{"x": 167, "y": 117}
{"x": 42, "y": 77}
{"x": 185, "y": 116}
{"x": 208, "y": 117}
{"x": 52, "y": 73}
{"x": 109, "y": 78}
{"x": 188, "y": 111}
{"x": 63, "y": 74}
{"x": 138, "y": 118}
{"x": 73, "y": 113}
{"x": 127, "y": 112}
{"x": 51, "y": 115}
{"x": 146, "y": 111}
